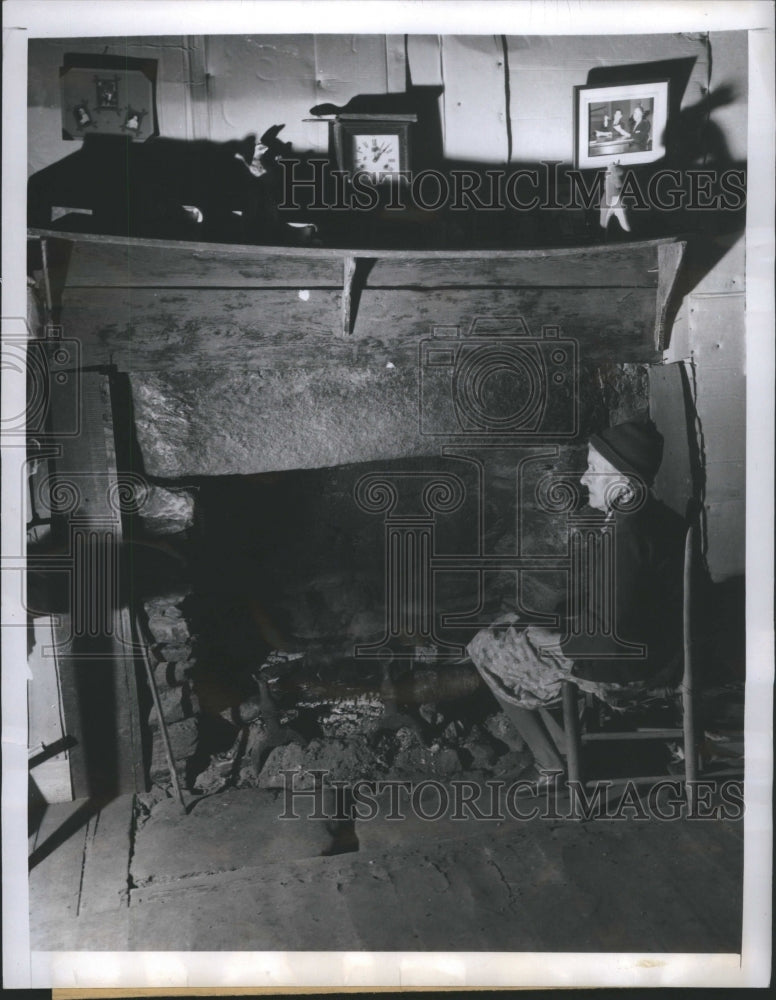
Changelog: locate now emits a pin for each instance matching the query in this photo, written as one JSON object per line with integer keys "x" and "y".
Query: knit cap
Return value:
{"x": 633, "y": 448}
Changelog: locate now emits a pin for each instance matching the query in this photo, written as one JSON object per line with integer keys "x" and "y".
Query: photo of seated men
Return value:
{"x": 624, "y": 124}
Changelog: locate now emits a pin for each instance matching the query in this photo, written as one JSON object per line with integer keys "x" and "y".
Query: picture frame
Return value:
{"x": 620, "y": 124}
{"x": 108, "y": 95}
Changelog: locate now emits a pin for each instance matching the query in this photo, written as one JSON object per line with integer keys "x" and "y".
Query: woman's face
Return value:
{"x": 638, "y": 114}
{"x": 604, "y": 483}
{"x": 617, "y": 116}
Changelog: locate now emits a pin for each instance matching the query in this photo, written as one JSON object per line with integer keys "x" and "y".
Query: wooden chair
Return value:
{"x": 575, "y": 738}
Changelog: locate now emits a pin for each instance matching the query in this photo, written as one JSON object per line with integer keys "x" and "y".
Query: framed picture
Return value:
{"x": 109, "y": 95}
{"x": 620, "y": 124}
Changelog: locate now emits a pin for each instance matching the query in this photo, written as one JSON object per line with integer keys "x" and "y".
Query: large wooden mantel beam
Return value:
{"x": 158, "y": 305}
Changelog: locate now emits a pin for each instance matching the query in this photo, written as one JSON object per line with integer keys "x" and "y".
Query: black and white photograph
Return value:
{"x": 387, "y": 445}
{"x": 624, "y": 124}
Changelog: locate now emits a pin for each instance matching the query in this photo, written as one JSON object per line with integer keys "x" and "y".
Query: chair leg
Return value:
{"x": 688, "y": 700}
{"x": 571, "y": 726}
{"x": 556, "y": 731}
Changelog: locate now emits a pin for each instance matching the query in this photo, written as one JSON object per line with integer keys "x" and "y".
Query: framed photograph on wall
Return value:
{"x": 108, "y": 95}
{"x": 623, "y": 124}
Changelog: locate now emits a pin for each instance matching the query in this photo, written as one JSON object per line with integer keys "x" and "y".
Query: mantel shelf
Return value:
{"x": 147, "y": 304}
{"x": 596, "y": 250}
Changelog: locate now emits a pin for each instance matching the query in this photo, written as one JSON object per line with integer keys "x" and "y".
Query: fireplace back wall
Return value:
{"x": 298, "y": 559}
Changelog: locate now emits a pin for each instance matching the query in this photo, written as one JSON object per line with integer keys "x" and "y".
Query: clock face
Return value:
{"x": 376, "y": 154}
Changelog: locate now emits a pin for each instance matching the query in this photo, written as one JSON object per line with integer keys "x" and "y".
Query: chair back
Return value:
{"x": 688, "y": 675}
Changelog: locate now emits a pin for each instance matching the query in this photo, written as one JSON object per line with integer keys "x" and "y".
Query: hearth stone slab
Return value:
{"x": 235, "y": 829}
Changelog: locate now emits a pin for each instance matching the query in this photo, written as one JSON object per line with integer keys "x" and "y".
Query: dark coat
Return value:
{"x": 644, "y": 606}
{"x": 640, "y": 134}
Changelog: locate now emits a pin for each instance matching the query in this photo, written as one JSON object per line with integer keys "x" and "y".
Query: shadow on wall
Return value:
{"x": 141, "y": 189}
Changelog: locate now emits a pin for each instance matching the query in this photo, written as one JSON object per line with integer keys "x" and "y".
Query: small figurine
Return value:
{"x": 133, "y": 119}
{"x": 610, "y": 202}
{"x": 82, "y": 117}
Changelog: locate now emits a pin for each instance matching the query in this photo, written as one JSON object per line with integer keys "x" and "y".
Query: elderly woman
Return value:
{"x": 525, "y": 667}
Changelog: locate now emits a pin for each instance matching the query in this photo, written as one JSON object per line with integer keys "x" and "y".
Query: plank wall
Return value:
{"x": 709, "y": 335}
{"x": 505, "y": 99}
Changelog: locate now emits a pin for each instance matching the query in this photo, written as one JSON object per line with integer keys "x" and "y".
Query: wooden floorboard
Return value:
{"x": 55, "y": 881}
{"x": 561, "y": 885}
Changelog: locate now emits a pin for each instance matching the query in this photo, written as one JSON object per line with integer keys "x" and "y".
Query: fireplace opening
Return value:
{"x": 323, "y": 617}
{"x": 272, "y": 650}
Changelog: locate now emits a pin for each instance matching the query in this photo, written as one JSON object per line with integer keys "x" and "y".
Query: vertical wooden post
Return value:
{"x": 348, "y": 277}
{"x": 99, "y": 689}
{"x": 571, "y": 726}
{"x": 354, "y": 274}
{"x": 688, "y": 702}
{"x": 669, "y": 259}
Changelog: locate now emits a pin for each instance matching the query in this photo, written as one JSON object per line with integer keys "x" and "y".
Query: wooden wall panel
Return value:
{"x": 255, "y": 81}
{"x": 729, "y": 61}
{"x": 588, "y": 269}
{"x": 395, "y": 64}
{"x": 726, "y": 531}
{"x": 154, "y": 305}
{"x": 243, "y": 81}
{"x": 727, "y": 485}
{"x": 121, "y": 262}
{"x": 347, "y": 65}
{"x": 717, "y": 335}
{"x": 184, "y": 329}
{"x": 669, "y": 408}
{"x": 96, "y": 665}
{"x": 475, "y": 114}
{"x": 128, "y": 263}
{"x": 196, "y": 102}
{"x": 424, "y": 56}
{"x": 51, "y": 776}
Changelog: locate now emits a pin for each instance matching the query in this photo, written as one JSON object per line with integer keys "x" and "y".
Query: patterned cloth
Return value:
{"x": 526, "y": 666}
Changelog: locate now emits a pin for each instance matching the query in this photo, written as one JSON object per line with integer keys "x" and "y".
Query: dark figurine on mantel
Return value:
{"x": 169, "y": 188}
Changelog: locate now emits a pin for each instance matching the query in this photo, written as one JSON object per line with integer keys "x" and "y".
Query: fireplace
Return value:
{"x": 325, "y": 612}
{"x": 354, "y": 508}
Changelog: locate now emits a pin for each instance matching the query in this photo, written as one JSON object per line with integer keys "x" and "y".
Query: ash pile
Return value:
{"x": 359, "y": 720}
